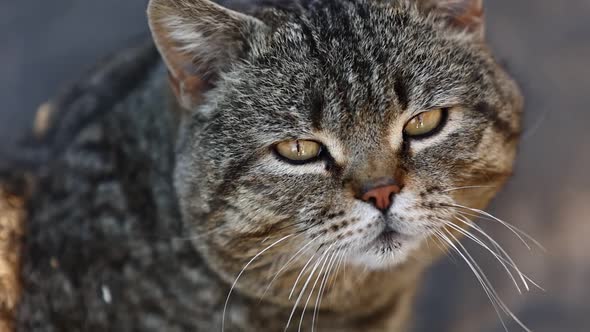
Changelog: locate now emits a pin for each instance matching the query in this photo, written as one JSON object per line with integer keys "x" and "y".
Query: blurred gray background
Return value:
{"x": 544, "y": 43}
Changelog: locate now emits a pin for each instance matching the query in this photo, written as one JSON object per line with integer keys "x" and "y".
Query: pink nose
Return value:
{"x": 382, "y": 196}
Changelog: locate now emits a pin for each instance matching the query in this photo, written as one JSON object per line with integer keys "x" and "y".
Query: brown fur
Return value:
{"x": 12, "y": 219}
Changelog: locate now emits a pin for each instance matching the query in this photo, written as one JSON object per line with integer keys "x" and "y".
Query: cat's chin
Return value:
{"x": 387, "y": 250}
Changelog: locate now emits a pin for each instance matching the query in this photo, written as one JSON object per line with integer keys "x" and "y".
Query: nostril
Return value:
{"x": 372, "y": 200}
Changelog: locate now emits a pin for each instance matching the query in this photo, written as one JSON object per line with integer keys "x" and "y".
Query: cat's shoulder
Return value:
{"x": 115, "y": 108}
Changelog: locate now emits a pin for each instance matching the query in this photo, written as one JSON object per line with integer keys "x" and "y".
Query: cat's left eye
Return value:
{"x": 299, "y": 151}
{"x": 424, "y": 123}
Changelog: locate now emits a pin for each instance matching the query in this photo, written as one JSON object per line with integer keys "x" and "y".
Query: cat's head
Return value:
{"x": 334, "y": 126}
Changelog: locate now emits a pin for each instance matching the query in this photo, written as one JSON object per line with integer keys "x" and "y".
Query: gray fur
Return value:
{"x": 144, "y": 219}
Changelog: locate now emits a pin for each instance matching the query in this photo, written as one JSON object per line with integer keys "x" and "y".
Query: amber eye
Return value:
{"x": 299, "y": 151}
{"x": 424, "y": 123}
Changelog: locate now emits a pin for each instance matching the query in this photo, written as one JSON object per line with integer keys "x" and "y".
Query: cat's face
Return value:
{"x": 347, "y": 127}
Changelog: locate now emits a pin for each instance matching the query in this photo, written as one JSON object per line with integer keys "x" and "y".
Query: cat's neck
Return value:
{"x": 355, "y": 299}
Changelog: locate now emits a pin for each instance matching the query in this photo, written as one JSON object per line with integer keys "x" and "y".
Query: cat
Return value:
{"x": 286, "y": 166}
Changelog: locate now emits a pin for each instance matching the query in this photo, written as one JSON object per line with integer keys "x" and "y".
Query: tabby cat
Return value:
{"x": 311, "y": 158}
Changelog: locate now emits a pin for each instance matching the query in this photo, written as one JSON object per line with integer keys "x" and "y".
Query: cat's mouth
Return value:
{"x": 388, "y": 247}
{"x": 388, "y": 236}
{"x": 388, "y": 239}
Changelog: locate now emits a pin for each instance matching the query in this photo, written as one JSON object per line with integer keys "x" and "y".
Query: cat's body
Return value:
{"x": 146, "y": 213}
{"x": 133, "y": 267}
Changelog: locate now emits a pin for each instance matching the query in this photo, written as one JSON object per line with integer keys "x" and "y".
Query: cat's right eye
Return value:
{"x": 425, "y": 123}
{"x": 299, "y": 151}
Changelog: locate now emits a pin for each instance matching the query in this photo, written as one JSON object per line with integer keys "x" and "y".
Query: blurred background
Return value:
{"x": 544, "y": 43}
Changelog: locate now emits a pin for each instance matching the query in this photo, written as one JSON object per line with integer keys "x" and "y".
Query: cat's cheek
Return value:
{"x": 407, "y": 215}
{"x": 368, "y": 226}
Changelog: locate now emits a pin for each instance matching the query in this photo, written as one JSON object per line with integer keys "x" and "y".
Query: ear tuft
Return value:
{"x": 198, "y": 39}
{"x": 464, "y": 14}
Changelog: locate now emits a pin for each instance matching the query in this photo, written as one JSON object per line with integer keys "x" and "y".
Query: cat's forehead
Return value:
{"x": 354, "y": 71}
{"x": 370, "y": 50}
{"x": 361, "y": 65}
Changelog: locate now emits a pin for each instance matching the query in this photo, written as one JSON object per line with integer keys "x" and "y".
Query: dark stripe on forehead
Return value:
{"x": 317, "y": 107}
{"x": 401, "y": 90}
{"x": 500, "y": 125}
{"x": 310, "y": 39}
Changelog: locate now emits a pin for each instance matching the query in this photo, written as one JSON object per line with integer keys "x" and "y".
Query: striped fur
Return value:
{"x": 143, "y": 218}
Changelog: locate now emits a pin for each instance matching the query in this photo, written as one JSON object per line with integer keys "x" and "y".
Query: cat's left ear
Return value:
{"x": 467, "y": 15}
{"x": 198, "y": 40}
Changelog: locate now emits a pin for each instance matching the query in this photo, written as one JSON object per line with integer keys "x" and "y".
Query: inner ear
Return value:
{"x": 198, "y": 40}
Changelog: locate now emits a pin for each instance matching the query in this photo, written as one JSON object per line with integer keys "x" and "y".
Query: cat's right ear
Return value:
{"x": 465, "y": 15}
{"x": 198, "y": 39}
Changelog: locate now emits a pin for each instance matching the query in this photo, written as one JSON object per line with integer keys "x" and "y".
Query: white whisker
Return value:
{"x": 242, "y": 271}
{"x": 300, "y": 274}
{"x": 477, "y": 274}
{"x": 508, "y": 259}
{"x": 485, "y": 246}
{"x": 305, "y": 285}
{"x": 318, "y": 301}
{"x": 518, "y": 232}
{"x": 298, "y": 253}
{"x": 340, "y": 262}
{"x": 500, "y": 303}
{"x": 467, "y": 187}
{"x": 313, "y": 288}
{"x": 441, "y": 245}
